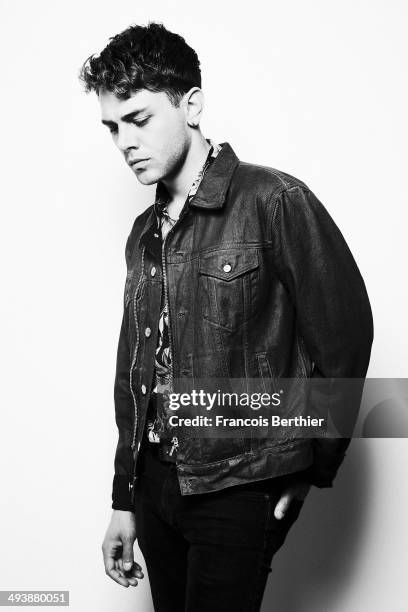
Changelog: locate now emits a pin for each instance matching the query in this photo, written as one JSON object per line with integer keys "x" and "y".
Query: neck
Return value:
{"x": 178, "y": 185}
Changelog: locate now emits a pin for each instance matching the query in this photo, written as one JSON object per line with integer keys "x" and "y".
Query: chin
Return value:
{"x": 147, "y": 178}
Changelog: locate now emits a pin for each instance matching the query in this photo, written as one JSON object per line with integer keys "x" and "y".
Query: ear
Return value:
{"x": 194, "y": 105}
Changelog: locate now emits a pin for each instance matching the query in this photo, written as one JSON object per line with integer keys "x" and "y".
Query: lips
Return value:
{"x": 136, "y": 161}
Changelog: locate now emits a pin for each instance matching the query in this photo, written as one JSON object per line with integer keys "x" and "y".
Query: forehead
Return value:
{"x": 113, "y": 107}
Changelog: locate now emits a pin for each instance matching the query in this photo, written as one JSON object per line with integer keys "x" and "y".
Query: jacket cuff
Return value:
{"x": 318, "y": 477}
{"x": 323, "y": 472}
{"x": 121, "y": 494}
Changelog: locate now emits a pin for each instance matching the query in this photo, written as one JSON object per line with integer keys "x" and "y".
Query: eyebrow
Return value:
{"x": 125, "y": 118}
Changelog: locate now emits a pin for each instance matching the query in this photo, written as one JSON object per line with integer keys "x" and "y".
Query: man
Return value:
{"x": 236, "y": 271}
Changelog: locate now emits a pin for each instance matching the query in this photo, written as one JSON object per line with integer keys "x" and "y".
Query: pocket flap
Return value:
{"x": 228, "y": 264}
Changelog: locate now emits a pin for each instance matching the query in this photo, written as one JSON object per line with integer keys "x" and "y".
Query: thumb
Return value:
{"x": 127, "y": 554}
{"x": 282, "y": 505}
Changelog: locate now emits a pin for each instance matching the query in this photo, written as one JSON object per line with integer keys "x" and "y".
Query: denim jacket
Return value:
{"x": 260, "y": 283}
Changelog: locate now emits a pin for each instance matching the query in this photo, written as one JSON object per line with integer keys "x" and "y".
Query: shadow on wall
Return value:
{"x": 313, "y": 569}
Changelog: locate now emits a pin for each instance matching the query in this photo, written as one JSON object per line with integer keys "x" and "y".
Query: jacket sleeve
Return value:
{"x": 332, "y": 306}
{"x": 124, "y": 416}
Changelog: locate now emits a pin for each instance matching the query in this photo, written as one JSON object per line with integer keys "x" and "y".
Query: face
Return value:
{"x": 147, "y": 127}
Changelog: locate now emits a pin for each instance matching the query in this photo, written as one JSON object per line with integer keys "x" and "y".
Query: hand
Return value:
{"x": 117, "y": 549}
{"x": 298, "y": 490}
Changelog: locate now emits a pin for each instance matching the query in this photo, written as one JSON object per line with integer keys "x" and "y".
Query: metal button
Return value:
{"x": 153, "y": 271}
{"x": 144, "y": 389}
{"x": 156, "y": 235}
{"x": 148, "y": 331}
{"x": 227, "y": 267}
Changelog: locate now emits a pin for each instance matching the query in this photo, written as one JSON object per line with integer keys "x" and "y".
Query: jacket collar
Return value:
{"x": 213, "y": 188}
{"x": 212, "y": 191}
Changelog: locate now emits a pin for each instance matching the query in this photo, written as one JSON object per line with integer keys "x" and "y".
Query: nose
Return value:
{"x": 126, "y": 138}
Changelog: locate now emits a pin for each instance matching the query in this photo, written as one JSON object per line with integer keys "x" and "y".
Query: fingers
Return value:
{"x": 131, "y": 579}
{"x": 132, "y": 574}
{"x": 136, "y": 571}
{"x": 111, "y": 570}
{"x": 115, "y": 568}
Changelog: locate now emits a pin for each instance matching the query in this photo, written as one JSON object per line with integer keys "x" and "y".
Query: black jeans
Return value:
{"x": 210, "y": 552}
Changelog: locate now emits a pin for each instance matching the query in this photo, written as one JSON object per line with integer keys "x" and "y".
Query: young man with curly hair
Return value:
{"x": 235, "y": 271}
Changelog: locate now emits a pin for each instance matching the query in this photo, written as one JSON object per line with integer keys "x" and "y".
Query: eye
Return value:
{"x": 140, "y": 122}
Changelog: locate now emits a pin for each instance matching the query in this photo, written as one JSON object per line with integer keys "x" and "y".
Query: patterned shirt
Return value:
{"x": 162, "y": 373}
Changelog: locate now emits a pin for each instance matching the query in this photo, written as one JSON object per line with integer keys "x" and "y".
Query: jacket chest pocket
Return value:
{"x": 229, "y": 286}
{"x": 130, "y": 287}
{"x": 133, "y": 285}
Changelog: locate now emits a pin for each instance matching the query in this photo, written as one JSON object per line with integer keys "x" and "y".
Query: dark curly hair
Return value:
{"x": 143, "y": 57}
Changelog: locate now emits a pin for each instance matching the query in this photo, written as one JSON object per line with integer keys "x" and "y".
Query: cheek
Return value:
{"x": 172, "y": 139}
{"x": 169, "y": 158}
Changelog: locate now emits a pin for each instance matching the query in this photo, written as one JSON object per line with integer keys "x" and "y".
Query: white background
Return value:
{"x": 317, "y": 89}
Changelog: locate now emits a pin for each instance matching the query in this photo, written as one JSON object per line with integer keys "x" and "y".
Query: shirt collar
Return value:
{"x": 162, "y": 195}
{"x": 212, "y": 190}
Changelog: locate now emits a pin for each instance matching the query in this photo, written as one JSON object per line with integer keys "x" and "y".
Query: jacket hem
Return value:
{"x": 248, "y": 467}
